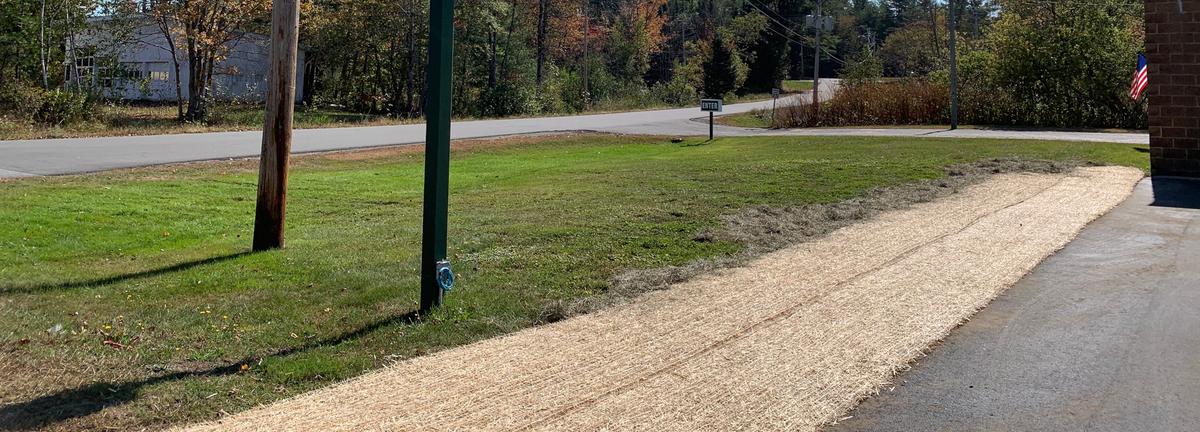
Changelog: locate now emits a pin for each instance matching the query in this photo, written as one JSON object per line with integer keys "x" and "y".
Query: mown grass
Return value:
{"x": 127, "y": 299}
{"x": 796, "y": 86}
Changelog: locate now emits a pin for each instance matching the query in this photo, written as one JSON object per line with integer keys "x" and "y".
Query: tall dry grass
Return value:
{"x": 923, "y": 102}
{"x": 880, "y": 103}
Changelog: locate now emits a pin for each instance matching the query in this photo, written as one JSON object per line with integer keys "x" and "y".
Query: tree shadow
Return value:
{"x": 27, "y": 289}
{"x": 92, "y": 398}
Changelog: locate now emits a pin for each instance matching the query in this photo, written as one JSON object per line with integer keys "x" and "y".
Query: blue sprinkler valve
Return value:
{"x": 445, "y": 276}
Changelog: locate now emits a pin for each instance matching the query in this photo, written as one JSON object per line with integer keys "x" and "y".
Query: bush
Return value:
{"x": 864, "y": 68}
{"x": 506, "y": 100}
{"x": 20, "y": 101}
{"x": 62, "y": 107}
{"x": 676, "y": 92}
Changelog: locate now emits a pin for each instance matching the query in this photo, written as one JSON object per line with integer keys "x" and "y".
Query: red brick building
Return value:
{"x": 1173, "y": 51}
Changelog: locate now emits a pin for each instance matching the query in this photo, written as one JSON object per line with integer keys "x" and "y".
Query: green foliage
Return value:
{"x": 720, "y": 70}
{"x": 60, "y": 107}
{"x": 912, "y": 51}
{"x": 1061, "y": 67}
{"x": 507, "y": 100}
{"x": 629, "y": 53}
{"x": 866, "y": 67}
{"x": 21, "y": 101}
{"x": 678, "y": 91}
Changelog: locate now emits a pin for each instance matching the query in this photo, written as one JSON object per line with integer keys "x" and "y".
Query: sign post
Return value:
{"x": 711, "y": 106}
{"x": 437, "y": 155}
{"x": 774, "y": 102}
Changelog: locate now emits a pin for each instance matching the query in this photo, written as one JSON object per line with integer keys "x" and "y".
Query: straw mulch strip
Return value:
{"x": 789, "y": 342}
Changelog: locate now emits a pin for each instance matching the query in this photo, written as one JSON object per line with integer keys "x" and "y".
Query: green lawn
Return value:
{"x": 154, "y": 260}
{"x": 749, "y": 119}
{"x": 795, "y": 86}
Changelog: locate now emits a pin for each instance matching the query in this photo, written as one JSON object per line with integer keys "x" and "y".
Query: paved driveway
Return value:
{"x": 1103, "y": 336}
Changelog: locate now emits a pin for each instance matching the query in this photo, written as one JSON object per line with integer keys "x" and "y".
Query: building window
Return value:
{"x": 157, "y": 71}
{"x": 84, "y": 68}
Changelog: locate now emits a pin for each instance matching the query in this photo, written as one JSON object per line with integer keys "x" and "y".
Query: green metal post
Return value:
{"x": 437, "y": 149}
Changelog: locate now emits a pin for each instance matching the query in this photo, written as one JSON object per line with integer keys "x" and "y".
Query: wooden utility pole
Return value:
{"x": 437, "y": 151}
{"x": 820, "y": 22}
{"x": 953, "y": 65}
{"x": 587, "y": 27}
{"x": 277, "y": 126}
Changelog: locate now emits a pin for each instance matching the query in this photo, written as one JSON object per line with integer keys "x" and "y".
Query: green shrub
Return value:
{"x": 20, "y": 101}
{"x": 865, "y": 67}
{"x": 506, "y": 100}
{"x": 63, "y": 107}
{"x": 678, "y": 91}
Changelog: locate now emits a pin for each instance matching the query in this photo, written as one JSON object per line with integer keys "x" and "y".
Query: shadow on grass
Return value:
{"x": 90, "y": 399}
{"x": 26, "y": 289}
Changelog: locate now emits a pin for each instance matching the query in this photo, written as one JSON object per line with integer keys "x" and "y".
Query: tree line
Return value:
{"x": 516, "y": 57}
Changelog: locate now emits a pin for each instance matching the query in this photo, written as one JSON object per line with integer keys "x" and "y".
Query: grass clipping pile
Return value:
{"x": 790, "y": 341}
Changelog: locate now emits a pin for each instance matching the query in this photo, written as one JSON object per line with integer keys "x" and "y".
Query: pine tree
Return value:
{"x": 720, "y": 69}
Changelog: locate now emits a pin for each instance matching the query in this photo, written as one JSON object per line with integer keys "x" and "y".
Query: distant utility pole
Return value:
{"x": 820, "y": 22}
{"x": 277, "y": 126}
{"x": 953, "y": 65}
{"x": 587, "y": 26}
{"x": 437, "y": 153}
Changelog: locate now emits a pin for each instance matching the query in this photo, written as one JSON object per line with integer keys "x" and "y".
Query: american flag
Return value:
{"x": 1140, "y": 79}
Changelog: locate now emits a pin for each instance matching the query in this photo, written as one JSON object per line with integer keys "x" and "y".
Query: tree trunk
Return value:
{"x": 42, "y": 46}
{"x": 412, "y": 60}
{"x": 937, "y": 44}
{"x": 492, "y": 60}
{"x": 541, "y": 42}
{"x": 165, "y": 27}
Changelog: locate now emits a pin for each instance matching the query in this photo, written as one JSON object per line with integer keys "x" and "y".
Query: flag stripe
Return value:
{"x": 1141, "y": 78}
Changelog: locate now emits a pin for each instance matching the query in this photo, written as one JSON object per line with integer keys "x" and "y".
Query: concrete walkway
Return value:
{"x": 1102, "y": 336}
{"x": 1111, "y": 137}
{"x": 789, "y": 342}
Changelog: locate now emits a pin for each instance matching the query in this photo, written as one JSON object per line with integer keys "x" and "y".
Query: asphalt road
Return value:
{"x": 76, "y": 155}
{"x": 1100, "y": 337}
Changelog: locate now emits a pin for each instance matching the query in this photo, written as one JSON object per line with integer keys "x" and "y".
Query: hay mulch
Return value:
{"x": 791, "y": 341}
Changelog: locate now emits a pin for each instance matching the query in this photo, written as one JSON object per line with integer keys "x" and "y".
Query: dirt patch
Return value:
{"x": 764, "y": 229}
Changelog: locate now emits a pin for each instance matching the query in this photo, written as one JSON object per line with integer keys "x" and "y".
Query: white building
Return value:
{"x": 140, "y": 67}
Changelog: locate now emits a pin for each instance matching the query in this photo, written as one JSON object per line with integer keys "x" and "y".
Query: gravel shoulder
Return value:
{"x": 791, "y": 341}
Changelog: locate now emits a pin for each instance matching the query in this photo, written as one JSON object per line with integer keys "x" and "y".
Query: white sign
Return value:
{"x": 775, "y": 92}
{"x": 711, "y": 105}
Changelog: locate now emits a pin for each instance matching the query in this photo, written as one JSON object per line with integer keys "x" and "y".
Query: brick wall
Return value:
{"x": 1173, "y": 50}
